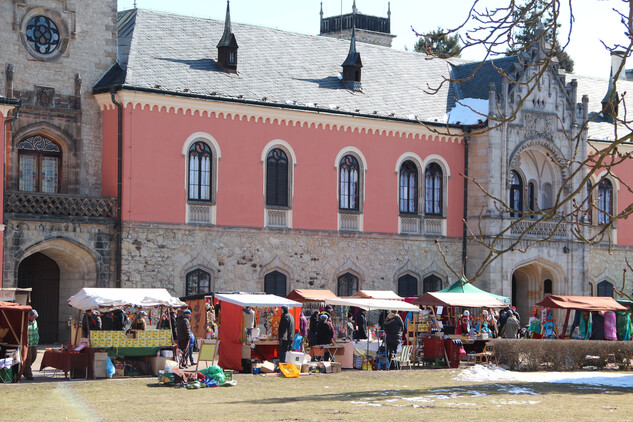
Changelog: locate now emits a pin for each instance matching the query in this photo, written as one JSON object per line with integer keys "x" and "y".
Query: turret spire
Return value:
{"x": 227, "y": 47}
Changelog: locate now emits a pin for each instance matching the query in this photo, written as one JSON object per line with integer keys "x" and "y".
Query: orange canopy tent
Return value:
{"x": 15, "y": 317}
{"x": 310, "y": 295}
{"x": 584, "y": 303}
{"x": 377, "y": 294}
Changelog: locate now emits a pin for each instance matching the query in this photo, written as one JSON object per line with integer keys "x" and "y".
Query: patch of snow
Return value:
{"x": 290, "y": 102}
{"x": 480, "y": 373}
{"x": 505, "y": 402}
{"x": 374, "y": 405}
{"x": 468, "y": 111}
{"x": 333, "y": 107}
{"x": 310, "y": 105}
{"x": 420, "y": 399}
{"x": 476, "y": 393}
{"x": 359, "y": 402}
{"x": 461, "y": 404}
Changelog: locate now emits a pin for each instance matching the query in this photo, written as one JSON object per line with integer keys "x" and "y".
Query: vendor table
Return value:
{"x": 321, "y": 349}
{"x": 361, "y": 347}
{"x": 69, "y": 361}
{"x": 265, "y": 349}
{"x": 115, "y": 352}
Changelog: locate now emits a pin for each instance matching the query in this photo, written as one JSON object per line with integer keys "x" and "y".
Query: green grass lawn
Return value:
{"x": 420, "y": 394}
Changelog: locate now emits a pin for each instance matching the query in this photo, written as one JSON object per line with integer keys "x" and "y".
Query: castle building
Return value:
{"x": 147, "y": 149}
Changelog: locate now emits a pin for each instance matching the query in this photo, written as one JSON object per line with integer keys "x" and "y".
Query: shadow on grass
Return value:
{"x": 513, "y": 389}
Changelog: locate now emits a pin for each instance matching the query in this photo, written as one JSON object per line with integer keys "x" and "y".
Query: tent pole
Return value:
{"x": 77, "y": 332}
{"x": 562, "y": 335}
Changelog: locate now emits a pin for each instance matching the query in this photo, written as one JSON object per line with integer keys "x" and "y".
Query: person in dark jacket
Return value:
{"x": 394, "y": 327}
{"x": 361, "y": 325}
{"x": 91, "y": 320}
{"x": 325, "y": 332}
{"x": 286, "y": 333}
{"x": 183, "y": 324}
{"x": 166, "y": 324}
{"x": 312, "y": 328}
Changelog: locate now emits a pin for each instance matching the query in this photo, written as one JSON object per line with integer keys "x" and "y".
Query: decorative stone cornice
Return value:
{"x": 274, "y": 114}
{"x": 5, "y": 109}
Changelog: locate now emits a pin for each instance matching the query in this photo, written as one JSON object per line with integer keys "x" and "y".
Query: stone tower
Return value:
{"x": 58, "y": 228}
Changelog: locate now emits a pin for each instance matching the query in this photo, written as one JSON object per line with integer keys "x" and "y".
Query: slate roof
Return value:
{"x": 177, "y": 54}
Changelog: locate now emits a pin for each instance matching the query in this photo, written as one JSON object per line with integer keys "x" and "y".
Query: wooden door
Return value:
{"x": 42, "y": 274}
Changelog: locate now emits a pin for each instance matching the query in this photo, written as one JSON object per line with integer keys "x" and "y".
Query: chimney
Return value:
{"x": 227, "y": 47}
{"x": 611, "y": 101}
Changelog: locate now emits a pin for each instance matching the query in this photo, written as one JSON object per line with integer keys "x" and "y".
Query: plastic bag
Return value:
{"x": 215, "y": 373}
{"x": 109, "y": 368}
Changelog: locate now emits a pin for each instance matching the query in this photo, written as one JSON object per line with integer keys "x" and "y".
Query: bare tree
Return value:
{"x": 576, "y": 205}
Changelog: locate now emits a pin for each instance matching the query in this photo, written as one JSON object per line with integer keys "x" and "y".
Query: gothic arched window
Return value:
{"x": 39, "y": 165}
{"x": 347, "y": 285}
{"x": 433, "y": 189}
{"x": 605, "y": 289}
{"x": 407, "y": 286}
{"x": 431, "y": 283}
{"x": 198, "y": 282}
{"x": 349, "y": 192}
{"x": 277, "y": 178}
{"x": 516, "y": 194}
{"x": 605, "y": 201}
{"x": 408, "y": 188}
{"x": 200, "y": 161}
{"x": 275, "y": 283}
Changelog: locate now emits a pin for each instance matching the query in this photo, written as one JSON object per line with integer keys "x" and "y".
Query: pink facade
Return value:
{"x": 154, "y": 169}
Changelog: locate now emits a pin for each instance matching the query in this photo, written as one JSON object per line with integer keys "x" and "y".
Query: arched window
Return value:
{"x": 200, "y": 162}
{"x": 548, "y": 196}
{"x": 198, "y": 282}
{"x": 516, "y": 194}
{"x": 547, "y": 287}
{"x": 39, "y": 161}
{"x": 349, "y": 172}
{"x": 347, "y": 285}
{"x": 605, "y": 201}
{"x": 431, "y": 283}
{"x": 277, "y": 178}
{"x": 589, "y": 208}
{"x": 275, "y": 283}
{"x": 605, "y": 289}
{"x": 407, "y": 286}
{"x": 408, "y": 188}
{"x": 531, "y": 197}
{"x": 433, "y": 189}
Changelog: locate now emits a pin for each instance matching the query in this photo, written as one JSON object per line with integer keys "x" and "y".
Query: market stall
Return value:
{"x": 119, "y": 343}
{"x": 464, "y": 286}
{"x": 13, "y": 337}
{"x": 377, "y": 294}
{"x": 370, "y": 346}
{"x": 233, "y": 341}
{"x": 435, "y": 348}
{"x": 582, "y": 303}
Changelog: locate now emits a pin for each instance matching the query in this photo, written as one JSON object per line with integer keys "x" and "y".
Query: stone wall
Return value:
{"x": 238, "y": 258}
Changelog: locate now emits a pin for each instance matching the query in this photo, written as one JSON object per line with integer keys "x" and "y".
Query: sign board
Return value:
{"x": 7, "y": 295}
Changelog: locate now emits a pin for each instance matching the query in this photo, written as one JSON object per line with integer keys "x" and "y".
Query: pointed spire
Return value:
{"x": 227, "y": 47}
{"x": 352, "y": 64}
{"x": 226, "y": 36}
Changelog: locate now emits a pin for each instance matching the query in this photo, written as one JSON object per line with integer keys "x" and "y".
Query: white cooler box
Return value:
{"x": 296, "y": 358}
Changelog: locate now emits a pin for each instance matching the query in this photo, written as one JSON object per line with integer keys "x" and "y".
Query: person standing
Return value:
{"x": 361, "y": 325}
{"x": 34, "y": 340}
{"x": 394, "y": 327}
{"x": 510, "y": 327}
{"x": 286, "y": 332}
{"x": 184, "y": 337}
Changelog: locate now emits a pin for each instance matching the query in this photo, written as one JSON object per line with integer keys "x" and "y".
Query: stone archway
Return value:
{"x": 531, "y": 280}
{"x": 77, "y": 268}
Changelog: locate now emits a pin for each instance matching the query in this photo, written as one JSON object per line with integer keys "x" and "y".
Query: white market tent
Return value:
{"x": 245, "y": 299}
{"x": 465, "y": 300}
{"x": 105, "y": 298}
{"x": 374, "y": 304}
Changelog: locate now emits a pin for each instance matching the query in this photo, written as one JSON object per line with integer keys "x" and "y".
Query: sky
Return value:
{"x": 595, "y": 20}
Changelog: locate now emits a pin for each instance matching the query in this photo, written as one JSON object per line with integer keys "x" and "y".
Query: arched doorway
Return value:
{"x": 41, "y": 273}
{"x": 531, "y": 282}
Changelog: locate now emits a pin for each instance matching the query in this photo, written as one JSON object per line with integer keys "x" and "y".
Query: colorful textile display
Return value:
{"x": 609, "y": 326}
{"x": 623, "y": 326}
{"x": 585, "y": 326}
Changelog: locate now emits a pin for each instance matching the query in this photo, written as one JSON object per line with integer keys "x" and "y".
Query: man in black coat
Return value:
{"x": 361, "y": 324}
{"x": 394, "y": 327}
{"x": 286, "y": 333}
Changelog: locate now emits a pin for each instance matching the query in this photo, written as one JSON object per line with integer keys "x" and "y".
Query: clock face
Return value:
{"x": 42, "y": 35}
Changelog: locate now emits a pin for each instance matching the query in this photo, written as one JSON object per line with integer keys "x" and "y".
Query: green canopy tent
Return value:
{"x": 463, "y": 286}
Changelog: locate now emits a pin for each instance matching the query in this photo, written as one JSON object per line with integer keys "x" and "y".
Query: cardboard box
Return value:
{"x": 99, "y": 368}
{"x": 336, "y": 367}
{"x": 157, "y": 364}
{"x": 267, "y": 367}
{"x": 304, "y": 368}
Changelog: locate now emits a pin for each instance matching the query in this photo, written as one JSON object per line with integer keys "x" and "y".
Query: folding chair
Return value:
{"x": 404, "y": 357}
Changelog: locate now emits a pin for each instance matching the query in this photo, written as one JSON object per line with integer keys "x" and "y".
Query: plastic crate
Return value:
{"x": 289, "y": 370}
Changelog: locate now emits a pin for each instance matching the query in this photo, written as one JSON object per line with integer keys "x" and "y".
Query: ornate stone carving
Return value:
{"x": 539, "y": 125}
{"x": 45, "y": 96}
